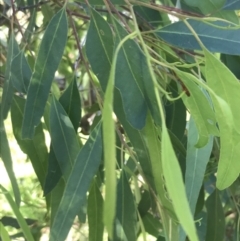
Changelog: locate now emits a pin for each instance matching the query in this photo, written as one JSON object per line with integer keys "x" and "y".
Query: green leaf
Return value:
{"x": 49, "y": 55}
{"x": 71, "y": 102}
{"x": 215, "y": 218}
{"x": 154, "y": 145}
{"x": 175, "y": 186}
{"x": 36, "y": 148}
{"x": 99, "y": 47}
{"x": 152, "y": 224}
{"x": 126, "y": 214}
{"x": 21, "y": 73}
{"x": 8, "y": 91}
{"x": 232, "y": 5}
{"x": 175, "y": 114}
{"x": 226, "y": 86}
{"x": 200, "y": 108}
{"x": 6, "y": 157}
{"x": 197, "y": 160}
{"x": 22, "y": 222}
{"x": 3, "y": 233}
{"x": 95, "y": 213}
{"x": 63, "y": 137}
{"x": 84, "y": 168}
{"x": 215, "y": 39}
{"x": 54, "y": 173}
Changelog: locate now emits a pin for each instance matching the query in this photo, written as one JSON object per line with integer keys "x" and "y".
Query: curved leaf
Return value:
{"x": 226, "y": 86}
{"x": 49, "y": 55}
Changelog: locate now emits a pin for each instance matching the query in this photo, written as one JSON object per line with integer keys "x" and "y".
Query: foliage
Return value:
{"x": 141, "y": 112}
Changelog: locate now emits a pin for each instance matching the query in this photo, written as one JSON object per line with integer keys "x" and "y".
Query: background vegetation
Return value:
{"x": 120, "y": 120}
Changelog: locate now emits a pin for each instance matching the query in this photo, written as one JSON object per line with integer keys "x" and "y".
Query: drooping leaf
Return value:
{"x": 175, "y": 186}
{"x": 71, "y": 102}
{"x": 8, "y": 91}
{"x": 126, "y": 215}
{"x": 215, "y": 218}
{"x": 21, "y": 73}
{"x": 99, "y": 47}
{"x": 49, "y": 56}
{"x": 3, "y": 233}
{"x": 200, "y": 109}
{"x": 36, "y": 148}
{"x": 197, "y": 159}
{"x": 63, "y": 137}
{"x": 154, "y": 145}
{"x": 22, "y": 222}
{"x": 95, "y": 213}
{"x": 152, "y": 224}
{"x": 220, "y": 39}
{"x": 54, "y": 172}
{"x": 6, "y": 157}
{"x": 225, "y": 85}
{"x": 196, "y": 162}
{"x": 84, "y": 168}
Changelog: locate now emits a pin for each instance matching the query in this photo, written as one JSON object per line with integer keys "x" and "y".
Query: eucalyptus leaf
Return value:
{"x": 48, "y": 58}
{"x": 218, "y": 38}
{"x": 77, "y": 185}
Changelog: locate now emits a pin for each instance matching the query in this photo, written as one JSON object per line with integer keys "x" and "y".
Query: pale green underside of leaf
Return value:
{"x": 227, "y": 87}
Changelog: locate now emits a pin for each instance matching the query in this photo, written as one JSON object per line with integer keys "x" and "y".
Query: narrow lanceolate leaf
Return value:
{"x": 71, "y": 102}
{"x": 197, "y": 159}
{"x": 215, "y": 218}
{"x": 49, "y": 56}
{"x": 226, "y": 86}
{"x": 21, "y": 73}
{"x": 95, "y": 213}
{"x": 36, "y": 148}
{"x": 85, "y": 167}
{"x": 6, "y": 157}
{"x": 126, "y": 215}
{"x": 63, "y": 137}
{"x": 129, "y": 79}
{"x": 3, "y": 233}
{"x": 175, "y": 186}
{"x": 99, "y": 47}
{"x": 21, "y": 221}
{"x": 7, "y": 94}
{"x": 221, "y": 38}
{"x": 200, "y": 109}
{"x": 154, "y": 146}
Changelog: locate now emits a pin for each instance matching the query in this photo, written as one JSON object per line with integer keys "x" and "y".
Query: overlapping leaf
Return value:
{"x": 71, "y": 102}
{"x": 126, "y": 215}
{"x": 227, "y": 87}
{"x": 36, "y": 148}
{"x": 7, "y": 94}
{"x": 175, "y": 186}
{"x": 84, "y": 168}
{"x": 63, "y": 137}
{"x": 49, "y": 56}
{"x": 200, "y": 109}
{"x": 21, "y": 73}
{"x": 221, "y": 38}
{"x": 95, "y": 213}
